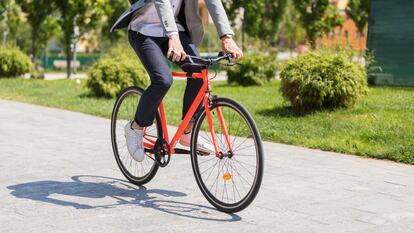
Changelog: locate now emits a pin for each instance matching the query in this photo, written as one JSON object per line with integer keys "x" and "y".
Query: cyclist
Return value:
{"x": 172, "y": 29}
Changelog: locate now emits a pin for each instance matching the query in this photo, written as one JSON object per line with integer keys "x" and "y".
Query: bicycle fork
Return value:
{"x": 223, "y": 125}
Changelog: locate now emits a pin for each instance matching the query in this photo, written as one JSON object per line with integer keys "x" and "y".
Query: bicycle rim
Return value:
{"x": 229, "y": 183}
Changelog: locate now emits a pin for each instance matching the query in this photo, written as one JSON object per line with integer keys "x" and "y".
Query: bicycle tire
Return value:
{"x": 250, "y": 196}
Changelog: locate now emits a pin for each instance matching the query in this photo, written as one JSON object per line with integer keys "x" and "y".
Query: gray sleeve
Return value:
{"x": 166, "y": 15}
{"x": 219, "y": 16}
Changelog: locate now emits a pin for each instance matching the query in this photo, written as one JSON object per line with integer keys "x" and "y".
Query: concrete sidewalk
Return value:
{"x": 58, "y": 174}
{"x": 57, "y": 76}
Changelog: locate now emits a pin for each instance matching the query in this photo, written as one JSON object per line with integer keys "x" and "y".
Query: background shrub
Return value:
{"x": 13, "y": 62}
{"x": 116, "y": 71}
{"x": 322, "y": 80}
{"x": 255, "y": 70}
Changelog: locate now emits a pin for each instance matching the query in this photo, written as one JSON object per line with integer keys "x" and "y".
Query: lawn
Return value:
{"x": 380, "y": 126}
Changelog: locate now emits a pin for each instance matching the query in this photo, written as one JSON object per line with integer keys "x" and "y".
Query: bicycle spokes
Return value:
{"x": 230, "y": 176}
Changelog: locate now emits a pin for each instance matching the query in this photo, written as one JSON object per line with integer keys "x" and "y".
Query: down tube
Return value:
{"x": 191, "y": 111}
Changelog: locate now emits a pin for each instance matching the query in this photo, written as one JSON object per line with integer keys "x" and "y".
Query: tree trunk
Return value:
{"x": 4, "y": 37}
{"x": 68, "y": 60}
{"x": 74, "y": 58}
{"x": 311, "y": 39}
{"x": 361, "y": 41}
{"x": 34, "y": 50}
{"x": 243, "y": 36}
{"x": 312, "y": 43}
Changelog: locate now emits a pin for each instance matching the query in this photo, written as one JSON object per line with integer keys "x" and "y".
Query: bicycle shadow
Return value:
{"x": 120, "y": 193}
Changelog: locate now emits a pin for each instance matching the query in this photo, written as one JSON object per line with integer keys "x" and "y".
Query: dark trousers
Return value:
{"x": 152, "y": 52}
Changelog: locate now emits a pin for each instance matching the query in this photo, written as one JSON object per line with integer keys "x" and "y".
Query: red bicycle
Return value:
{"x": 228, "y": 176}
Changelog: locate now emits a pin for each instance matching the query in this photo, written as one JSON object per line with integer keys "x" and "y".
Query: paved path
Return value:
{"x": 58, "y": 174}
{"x": 56, "y": 76}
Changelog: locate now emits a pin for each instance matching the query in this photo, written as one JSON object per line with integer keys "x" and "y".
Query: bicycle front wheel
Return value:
{"x": 232, "y": 181}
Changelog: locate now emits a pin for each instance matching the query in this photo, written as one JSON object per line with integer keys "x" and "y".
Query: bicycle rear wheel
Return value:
{"x": 138, "y": 173}
{"x": 229, "y": 182}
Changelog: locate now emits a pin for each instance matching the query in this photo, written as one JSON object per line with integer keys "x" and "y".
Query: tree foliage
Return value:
{"x": 318, "y": 17}
{"x": 3, "y": 12}
{"x": 291, "y": 31}
{"x": 81, "y": 15}
{"x": 358, "y": 11}
{"x": 41, "y": 20}
{"x": 261, "y": 18}
{"x": 11, "y": 14}
{"x": 117, "y": 7}
{"x": 3, "y": 7}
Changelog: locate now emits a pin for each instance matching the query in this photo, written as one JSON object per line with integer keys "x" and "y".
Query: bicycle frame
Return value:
{"x": 202, "y": 96}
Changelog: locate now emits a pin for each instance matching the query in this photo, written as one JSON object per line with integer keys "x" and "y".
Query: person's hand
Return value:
{"x": 229, "y": 46}
{"x": 175, "y": 49}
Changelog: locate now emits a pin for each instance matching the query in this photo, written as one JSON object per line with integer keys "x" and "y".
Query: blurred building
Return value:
{"x": 346, "y": 35}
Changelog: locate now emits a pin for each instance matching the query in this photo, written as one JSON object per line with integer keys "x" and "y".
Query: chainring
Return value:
{"x": 162, "y": 152}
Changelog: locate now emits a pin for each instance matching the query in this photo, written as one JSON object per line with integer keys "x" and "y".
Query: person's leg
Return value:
{"x": 150, "y": 52}
{"x": 193, "y": 85}
{"x": 191, "y": 91}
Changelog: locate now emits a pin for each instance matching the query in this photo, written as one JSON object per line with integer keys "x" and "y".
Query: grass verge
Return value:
{"x": 380, "y": 126}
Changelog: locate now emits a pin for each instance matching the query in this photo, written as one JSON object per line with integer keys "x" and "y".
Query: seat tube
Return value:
{"x": 163, "y": 122}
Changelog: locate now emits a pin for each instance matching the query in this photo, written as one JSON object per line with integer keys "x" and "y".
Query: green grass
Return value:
{"x": 380, "y": 126}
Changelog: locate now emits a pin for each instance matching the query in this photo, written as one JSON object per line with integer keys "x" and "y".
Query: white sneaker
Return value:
{"x": 135, "y": 142}
{"x": 202, "y": 145}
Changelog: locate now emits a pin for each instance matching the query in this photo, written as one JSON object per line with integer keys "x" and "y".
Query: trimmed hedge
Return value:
{"x": 255, "y": 70}
{"x": 116, "y": 71}
{"x": 323, "y": 80}
{"x": 13, "y": 62}
{"x": 109, "y": 77}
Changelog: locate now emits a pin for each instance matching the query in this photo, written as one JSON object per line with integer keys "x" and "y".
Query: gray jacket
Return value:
{"x": 190, "y": 12}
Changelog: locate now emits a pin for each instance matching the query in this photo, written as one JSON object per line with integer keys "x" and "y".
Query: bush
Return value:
{"x": 115, "y": 72}
{"x": 255, "y": 70}
{"x": 13, "y": 62}
{"x": 37, "y": 73}
{"x": 322, "y": 80}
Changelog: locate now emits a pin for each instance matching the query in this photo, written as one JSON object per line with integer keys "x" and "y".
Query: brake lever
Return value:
{"x": 190, "y": 59}
{"x": 233, "y": 64}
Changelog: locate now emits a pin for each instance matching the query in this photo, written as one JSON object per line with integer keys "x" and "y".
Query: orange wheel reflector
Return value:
{"x": 227, "y": 176}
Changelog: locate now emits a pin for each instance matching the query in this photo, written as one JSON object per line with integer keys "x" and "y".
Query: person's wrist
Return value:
{"x": 172, "y": 35}
{"x": 226, "y": 37}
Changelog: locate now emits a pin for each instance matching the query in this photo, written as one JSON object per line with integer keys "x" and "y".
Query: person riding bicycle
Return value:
{"x": 159, "y": 29}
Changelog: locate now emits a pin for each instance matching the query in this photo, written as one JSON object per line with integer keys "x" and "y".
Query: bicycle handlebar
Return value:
{"x": 193, "y": 60}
